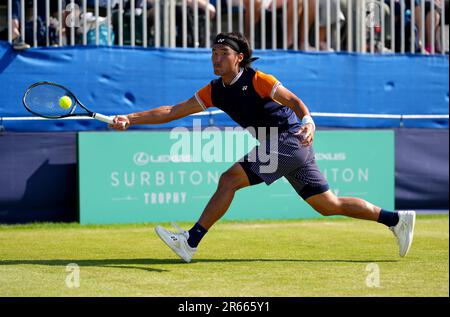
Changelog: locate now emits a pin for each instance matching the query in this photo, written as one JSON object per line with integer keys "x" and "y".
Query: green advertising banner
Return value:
{"x": 133, "y": 177}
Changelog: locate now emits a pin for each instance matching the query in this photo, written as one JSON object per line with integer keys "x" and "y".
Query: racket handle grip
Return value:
{"x": 103, "y": 118}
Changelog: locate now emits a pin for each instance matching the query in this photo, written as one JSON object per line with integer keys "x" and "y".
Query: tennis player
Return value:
{"x": 257, "y": 100}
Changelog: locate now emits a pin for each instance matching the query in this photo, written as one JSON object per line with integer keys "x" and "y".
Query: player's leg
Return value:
{"x": 312, "y": 186}
{"x": 400, "y": 223}
{"x": 328, "y": 204}
{"x": 184, "y": 243}
{"x": 231, "y": 181}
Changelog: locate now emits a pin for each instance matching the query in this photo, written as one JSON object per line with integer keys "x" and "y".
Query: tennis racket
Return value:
{"x": 43, "y": 99}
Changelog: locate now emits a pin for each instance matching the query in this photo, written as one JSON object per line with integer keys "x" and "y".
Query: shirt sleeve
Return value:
{"x": 265, "y": 85}
{"x": 203, "y": 97}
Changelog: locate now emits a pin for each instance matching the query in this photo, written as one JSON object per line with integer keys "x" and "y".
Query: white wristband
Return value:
{"x": 308, "y": 119}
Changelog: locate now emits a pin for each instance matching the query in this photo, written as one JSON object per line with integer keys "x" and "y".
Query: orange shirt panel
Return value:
{"x": 264, "y": 84}
{"x": 205, "y": 95}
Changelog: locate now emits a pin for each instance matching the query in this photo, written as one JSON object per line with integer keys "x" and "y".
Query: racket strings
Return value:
{"x": 45, "y": 100}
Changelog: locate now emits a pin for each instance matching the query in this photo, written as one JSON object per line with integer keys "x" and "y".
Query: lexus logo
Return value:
{"x": 141, "y": 158}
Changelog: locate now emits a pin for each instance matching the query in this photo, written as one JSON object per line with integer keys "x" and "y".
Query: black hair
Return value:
{"x": 243, "y": 46}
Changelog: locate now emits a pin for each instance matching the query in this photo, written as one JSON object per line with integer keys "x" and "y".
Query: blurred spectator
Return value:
{"x": 442, "y": 47}
{"x": 268, "y": 5}
{"x": 429, "y": 27}
{"x": 418, "y": 30}
{"x": 23, "y": 38}
{"x": 203, "y": 5}
{"x": 407, "y": 20}
{"x": 333, "y": 23}
{"x": 310, "y": 19}
{"x": 376, "y": 19}
{"x": 16, "y": 35}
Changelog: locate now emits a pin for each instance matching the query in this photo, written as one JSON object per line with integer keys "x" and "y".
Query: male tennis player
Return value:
{"x": 257, "y": 100}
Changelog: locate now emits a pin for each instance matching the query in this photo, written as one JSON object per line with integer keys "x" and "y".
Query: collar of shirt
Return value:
{"x": 235, "y": 79}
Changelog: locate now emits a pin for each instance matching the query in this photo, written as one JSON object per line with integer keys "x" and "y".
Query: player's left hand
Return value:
{"x": 306, "y": 134}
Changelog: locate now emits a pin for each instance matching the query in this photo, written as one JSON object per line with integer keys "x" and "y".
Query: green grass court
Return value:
{"x": 326, "y": 257}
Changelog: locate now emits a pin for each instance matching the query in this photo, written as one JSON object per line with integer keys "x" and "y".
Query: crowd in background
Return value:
{"x": 22, "y": 39}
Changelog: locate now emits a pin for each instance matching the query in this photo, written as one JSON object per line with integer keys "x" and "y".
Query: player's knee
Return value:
{"x": 230, "y": 181}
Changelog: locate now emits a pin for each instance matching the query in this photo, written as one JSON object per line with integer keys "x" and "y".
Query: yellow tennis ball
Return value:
{"x": 65, "y": 102}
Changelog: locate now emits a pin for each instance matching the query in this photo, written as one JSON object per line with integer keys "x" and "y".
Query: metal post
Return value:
{"x": 328, "y": 11}
{"x": 73, "y": 24}
{"x": 402, "y": 22}
{"x": 84, "y": 22}
{"x": 60, "y": 22}
{"x": 196, "y": 38}
{"x": 166, "y": 21}
{"x": 219, "y": 16}
{"x": 208, "y": 27}
{"x": 383, "y": 28}
{"x": 108, "y": 20}
{"x": 10, "y": 26}
{"x": 47, "y": 22}
{"x": 120, "y": 22}
{"x": 184, "y": 22}
{"x": 363, "y": 27}
{"x": 317, "y": 26}
{"x": 285, "y": 25}
{"x": 157, "y": 24}
{"x": 96, "y": 22}
{"x": 144, "y": 24}
{"x": 443, "y": 27}
{"x": 350, "y": 26}
{"x": 274, "y": 25}
{"x": 372, "y": 31}
{"x": 338, "y": 26}
{"x": 132, "y": 22}
{"x": 412, "y": 28}
{"x": 295, "y": 25}
{"x": 392, "y": 26}
{"x": 241, "y": 16}
{"x": 263, "y": 27}
{"x": 252, "y": 23}
{"x": 433, "y": 28}
{"x": 230, "y": 15}
{"x": 22, "y": 19}
{"x": 422, "y": 25}
{"x": 34, "y": 23}
{"x": 173, "y": 22}
{"x": 306, "y": 24}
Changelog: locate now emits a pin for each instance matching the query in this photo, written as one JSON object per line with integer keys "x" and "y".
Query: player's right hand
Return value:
{"x": 120, "y": 123}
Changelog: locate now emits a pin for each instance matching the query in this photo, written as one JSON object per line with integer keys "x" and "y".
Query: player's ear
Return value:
{"x": 240, "y": 57}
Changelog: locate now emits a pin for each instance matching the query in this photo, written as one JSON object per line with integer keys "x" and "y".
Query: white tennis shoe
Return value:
{"x": 404, "y": 230}
{"x": 177, "y": 241}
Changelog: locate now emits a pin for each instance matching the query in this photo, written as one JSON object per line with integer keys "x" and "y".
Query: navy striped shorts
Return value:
{"x": 283, "y": 155}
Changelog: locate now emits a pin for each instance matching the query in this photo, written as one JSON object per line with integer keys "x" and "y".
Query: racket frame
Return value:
{"x": 94, "y": 115}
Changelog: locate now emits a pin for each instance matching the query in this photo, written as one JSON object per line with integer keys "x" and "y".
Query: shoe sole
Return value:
{"x": 411, "y": 232}
{"x": 162, "y": 237}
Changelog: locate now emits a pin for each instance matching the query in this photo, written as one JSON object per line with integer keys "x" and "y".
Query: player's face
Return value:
{"x": 225, "y": 60}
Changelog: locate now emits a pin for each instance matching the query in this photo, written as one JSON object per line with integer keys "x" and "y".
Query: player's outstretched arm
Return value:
{"x": 289, "y": 99}
{"x": 158, "y": 115}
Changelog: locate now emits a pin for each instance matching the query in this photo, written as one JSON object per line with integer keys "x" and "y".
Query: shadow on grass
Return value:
{"x": 138, "y": 263}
